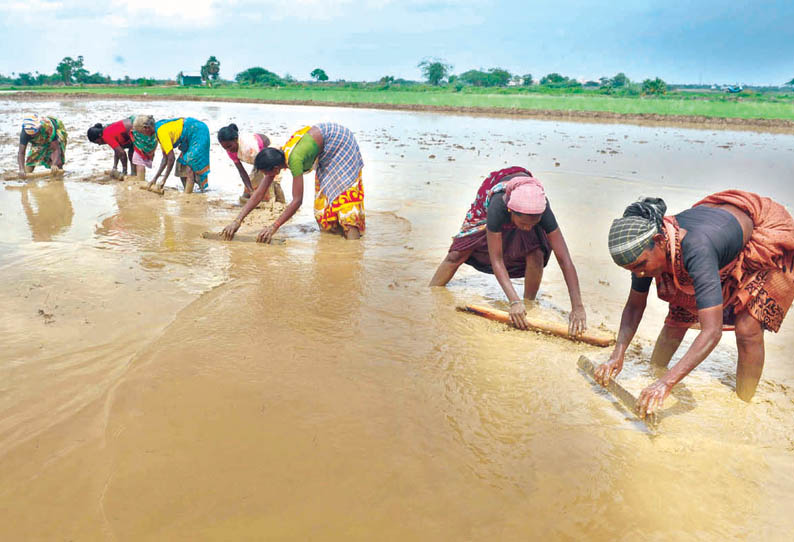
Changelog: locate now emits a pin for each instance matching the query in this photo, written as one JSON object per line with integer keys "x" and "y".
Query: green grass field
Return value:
{"x": 667, "y": 105}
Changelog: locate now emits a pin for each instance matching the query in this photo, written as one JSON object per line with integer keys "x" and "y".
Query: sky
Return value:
{"x": 692, "y": 41}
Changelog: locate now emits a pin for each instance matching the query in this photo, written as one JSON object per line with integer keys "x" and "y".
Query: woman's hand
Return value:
{"x": 22, "y": 173}
{"x": 577, "y": 321}
{"x": 609, "y": 370}
{"x": 652, "y": 397}
{"x": 266, "y": 234}
{"x": 229, "y": 231}
{"x": 518, "y": 314}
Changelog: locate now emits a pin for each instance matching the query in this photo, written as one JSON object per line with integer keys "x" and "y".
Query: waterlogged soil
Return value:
{"x": 156, "y": 385}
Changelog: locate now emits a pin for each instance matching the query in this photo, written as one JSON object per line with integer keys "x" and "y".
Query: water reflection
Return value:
{"x": 48, "y": 209}
{"x": 166, "y": 236}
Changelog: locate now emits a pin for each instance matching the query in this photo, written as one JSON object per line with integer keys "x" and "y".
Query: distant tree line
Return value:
{"x": 72, "y": 71}
{"x": 69, "y": 71}
{"x": 436, "y": 73}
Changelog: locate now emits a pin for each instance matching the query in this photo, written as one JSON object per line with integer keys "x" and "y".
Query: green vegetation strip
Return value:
{"x": 643, "y": 105}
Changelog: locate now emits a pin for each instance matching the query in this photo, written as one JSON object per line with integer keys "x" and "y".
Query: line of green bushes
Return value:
{"x": 438, "y": 78}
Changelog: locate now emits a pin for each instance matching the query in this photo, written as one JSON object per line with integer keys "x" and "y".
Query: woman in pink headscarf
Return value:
{"x": 510, "y": 231}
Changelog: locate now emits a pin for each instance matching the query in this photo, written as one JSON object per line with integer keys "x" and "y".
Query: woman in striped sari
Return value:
{"x": 338, "y": 187}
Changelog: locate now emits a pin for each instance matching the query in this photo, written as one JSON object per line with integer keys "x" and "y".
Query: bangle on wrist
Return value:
{"x": 516, "y": 302}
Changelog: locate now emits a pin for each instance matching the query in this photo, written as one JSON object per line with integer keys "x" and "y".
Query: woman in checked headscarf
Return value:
{"x": 47, "y": 139}
{"x": 724, "y": 264}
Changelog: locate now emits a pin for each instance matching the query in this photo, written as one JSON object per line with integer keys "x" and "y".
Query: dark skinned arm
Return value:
{"x": 115, "y": 159}
{"x": 629, "y": 322}
{"x": 652, "y": 397}
{"x": 256, "y": 197}
{"x": 57, "y": 159}
{"x": 518, "y": 311}
{"x": 292, "y": 207}
{"x": 166, "y": 163}
{"x": 21, "y": 159}
{"x": 577, "y": 319}
{"x": 244, "y": 176}
{"x": 130, "y": 154}
{"x": 120, "y": 156}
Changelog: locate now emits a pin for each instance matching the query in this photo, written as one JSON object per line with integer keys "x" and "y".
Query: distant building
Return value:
{"x": 190, "y": 79}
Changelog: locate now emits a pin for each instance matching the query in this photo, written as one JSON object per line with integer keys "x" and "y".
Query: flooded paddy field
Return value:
{"x": 158, "y": 386}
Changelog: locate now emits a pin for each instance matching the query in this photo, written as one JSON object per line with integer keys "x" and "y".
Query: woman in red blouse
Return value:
{"x": 117, "y": 135}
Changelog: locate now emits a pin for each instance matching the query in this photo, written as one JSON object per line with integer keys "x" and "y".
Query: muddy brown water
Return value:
{"x": 155, "y": 385}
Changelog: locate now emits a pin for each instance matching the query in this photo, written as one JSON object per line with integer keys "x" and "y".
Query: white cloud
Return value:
{"x": 31, "y": 5}
{"x": 171, "y": 12}
{"x": 28, "y": 11}
{"x": 207, "y": 13}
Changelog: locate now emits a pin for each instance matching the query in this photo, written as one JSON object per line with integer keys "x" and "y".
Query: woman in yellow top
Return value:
{"x": 339, "y": 192}
{"x": 192, "y": 137}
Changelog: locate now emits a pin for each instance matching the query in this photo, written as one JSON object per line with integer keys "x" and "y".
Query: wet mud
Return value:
{"x": 158, "y": 385}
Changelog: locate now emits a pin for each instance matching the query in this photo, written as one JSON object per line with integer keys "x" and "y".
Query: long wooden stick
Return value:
{"x": 102, "y": 178}
{"x": 593, "y": 337}
{"x": 13, "y": 175}
{"x": 240, "y": 237}
{"x": 621, "y": 393}
{"x": 154, "y": 189}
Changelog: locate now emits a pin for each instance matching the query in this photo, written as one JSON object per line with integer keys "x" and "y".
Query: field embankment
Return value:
{"x": 777, "y": 115}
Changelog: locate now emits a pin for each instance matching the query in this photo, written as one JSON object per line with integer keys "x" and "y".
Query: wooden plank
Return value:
{"x": 101, "y": 178}
{"x": 154, "y": 189}
{"x": 619, "y": 392}
{"x": 243, "y": 238}
{"x": 14, "y": 175}
{"x": 594, "y": 337}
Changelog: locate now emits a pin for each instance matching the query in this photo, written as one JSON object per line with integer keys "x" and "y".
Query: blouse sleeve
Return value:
{"x": 702, "y": 263}
{"x": 496, "y": 213}
{"x": 547, "y": 220}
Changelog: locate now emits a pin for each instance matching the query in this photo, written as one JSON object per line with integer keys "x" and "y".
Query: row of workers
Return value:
{"x": 727, "y": 263}
{"x": 328, "y": 148}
